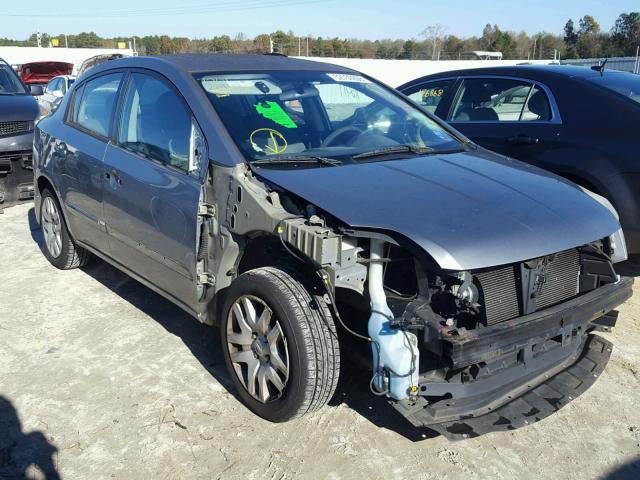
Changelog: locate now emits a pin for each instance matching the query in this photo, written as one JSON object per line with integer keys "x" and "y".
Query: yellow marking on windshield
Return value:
{"x": 271, "y": 140}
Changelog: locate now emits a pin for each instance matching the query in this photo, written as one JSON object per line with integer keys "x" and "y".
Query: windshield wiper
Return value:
{"x": 393, "y": 149}
{"x": 331, "y": 162}
{"x": 7, "y": 93}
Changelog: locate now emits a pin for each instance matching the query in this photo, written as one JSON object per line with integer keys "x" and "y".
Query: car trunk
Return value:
{"x": 41, "y": 72}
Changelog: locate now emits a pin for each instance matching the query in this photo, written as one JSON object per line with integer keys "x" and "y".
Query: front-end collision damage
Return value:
{"x": 446, "y": 345}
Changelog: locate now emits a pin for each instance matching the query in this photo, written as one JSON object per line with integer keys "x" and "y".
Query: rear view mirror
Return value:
{"x": 36, "y": 90}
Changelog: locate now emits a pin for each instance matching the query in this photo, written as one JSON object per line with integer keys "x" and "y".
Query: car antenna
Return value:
{"x": 600, "y": 68}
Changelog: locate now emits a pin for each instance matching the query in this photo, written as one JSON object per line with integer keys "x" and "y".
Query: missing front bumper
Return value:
{"x": 558, "y": 358}
{"x": 540, "y": 401}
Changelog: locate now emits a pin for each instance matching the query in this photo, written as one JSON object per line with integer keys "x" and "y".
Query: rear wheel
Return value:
{"x": 59, "y": 247}
{"x": 280, "y": 344}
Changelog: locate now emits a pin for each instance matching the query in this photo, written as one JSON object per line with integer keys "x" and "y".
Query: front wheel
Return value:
{"x": 280, "y": 344}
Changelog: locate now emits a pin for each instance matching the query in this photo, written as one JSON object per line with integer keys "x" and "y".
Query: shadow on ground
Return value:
{"x": 628, "y": 471}
{"x": 20, "y": 450}
{"x": 203, "y": 342}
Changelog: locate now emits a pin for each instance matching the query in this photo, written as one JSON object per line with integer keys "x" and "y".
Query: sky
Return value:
{"x": 367, "y": 19}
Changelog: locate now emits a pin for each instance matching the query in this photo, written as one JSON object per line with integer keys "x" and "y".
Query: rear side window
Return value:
{"x": 500, "y": 100}
{"x": 95, "y": 105}
{"x": 155, "y": 122}
{"x": 430, "y": 94}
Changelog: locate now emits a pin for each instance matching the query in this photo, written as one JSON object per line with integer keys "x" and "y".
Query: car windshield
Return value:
{"x": 10, "y": 84}
{"x": 625, "y": 84}
{"x": 295, "y": 114}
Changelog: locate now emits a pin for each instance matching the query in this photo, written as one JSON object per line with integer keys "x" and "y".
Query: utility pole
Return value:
{"x": 307, "y": 45}
{"x": 534, "y": 48}
{"x": 299, "y": 45}
{"x": 66, "y": 44}
{"x": 636, "y": 68}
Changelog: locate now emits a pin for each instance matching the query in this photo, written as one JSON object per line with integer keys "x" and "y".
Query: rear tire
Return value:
{"x": 280, "y": 343}
{"x": 59, "y": 248}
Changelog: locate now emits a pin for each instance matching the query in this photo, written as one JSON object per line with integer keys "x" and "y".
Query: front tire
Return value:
{"x": 59, "y": 248}
{"x": 280, "y": 344}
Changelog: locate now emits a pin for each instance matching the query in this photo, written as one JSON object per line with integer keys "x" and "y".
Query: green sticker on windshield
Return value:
{"x": 273, "y": 111}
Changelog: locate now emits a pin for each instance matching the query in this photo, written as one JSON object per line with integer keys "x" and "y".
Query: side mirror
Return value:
{"x": 36, "y": 90}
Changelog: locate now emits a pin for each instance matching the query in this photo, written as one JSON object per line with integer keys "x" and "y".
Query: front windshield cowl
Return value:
{"x": 329, "y": 115}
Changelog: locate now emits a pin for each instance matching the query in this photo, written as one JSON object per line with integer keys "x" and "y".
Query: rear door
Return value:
{"x": 79, "y": 149}
{"x": 514, "y": 117}
{"x": 151, "y": 193}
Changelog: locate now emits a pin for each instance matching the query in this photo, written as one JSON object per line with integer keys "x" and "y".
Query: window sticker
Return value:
{"x": 432, "y": 92}
{"x": 347, "y": 78}
{"x": 274, "y": 112}
{"x": 268, "y": 140}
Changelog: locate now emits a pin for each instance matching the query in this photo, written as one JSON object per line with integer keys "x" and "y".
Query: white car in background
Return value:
{"x": 53, "y": 93}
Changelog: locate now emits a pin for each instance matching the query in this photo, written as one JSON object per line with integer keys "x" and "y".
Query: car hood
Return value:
{"x": 18, "y": 107}
{"x": 467, "y": 210}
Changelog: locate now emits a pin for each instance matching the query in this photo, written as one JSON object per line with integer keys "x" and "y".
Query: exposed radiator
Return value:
{"x": 502, "y": 290}
{"x": 499, "y": 294}
{"x": 561, "y": 281}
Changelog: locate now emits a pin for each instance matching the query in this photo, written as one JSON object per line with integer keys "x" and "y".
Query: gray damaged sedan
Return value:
{"x": 297, "y": 204}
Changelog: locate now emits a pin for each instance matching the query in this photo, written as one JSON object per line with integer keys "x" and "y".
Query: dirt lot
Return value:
{"x": 101, "y": 378}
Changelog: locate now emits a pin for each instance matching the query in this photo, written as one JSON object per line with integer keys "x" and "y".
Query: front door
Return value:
{"x": 508, "y": 116}
{"x": 150, "y": 197}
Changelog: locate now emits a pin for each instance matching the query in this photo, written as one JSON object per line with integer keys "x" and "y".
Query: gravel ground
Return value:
{"x": 101, "y": 378}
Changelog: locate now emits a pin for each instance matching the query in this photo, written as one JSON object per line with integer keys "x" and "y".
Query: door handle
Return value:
{"x": 522, "y": 140}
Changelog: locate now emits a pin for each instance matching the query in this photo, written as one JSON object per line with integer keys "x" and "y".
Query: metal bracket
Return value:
{"x": 206, "y": 279}
{"x": 206, "y": 210}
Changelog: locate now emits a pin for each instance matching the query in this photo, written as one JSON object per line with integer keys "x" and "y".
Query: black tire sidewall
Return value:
{"x": 285, "y": 407}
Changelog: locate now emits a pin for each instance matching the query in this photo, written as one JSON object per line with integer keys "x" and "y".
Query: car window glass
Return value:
{"x": 537, "y": 107}
{"x": 53, "y": 85}
{"x": 289, "y": 113}
{"x": 340, "y": 101}
{"x": 9, "y": 81}
{"x": 492, "y": 100}
{"x": 155, "y": 122}
{"x": 97, "y": 105}
{"x": 430, "y": 94}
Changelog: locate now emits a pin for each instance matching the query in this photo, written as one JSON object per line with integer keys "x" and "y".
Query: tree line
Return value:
{"x": 581, "y": 39}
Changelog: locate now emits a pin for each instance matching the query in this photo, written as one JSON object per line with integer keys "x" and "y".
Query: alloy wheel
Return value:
{"x": 257, "y": 348}
{"x": 51, "y": 226}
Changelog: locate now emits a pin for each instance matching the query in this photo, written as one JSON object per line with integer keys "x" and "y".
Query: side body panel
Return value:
{"x": 151, "y": 214}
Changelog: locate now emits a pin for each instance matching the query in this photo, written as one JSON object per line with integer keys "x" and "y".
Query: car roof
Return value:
{"x": 212, "y": 62}
{"x": 536, "y": 72}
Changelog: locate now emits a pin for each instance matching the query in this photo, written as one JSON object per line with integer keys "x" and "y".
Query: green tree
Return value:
{"x": 570, "y": 40}
{"x": 625, "y": 34}
{"x": 588, "y": 25}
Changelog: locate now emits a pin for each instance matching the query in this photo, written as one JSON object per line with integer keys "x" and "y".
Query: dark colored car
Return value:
{"x": 279, "y": 198}
{"x": 573, "y": 121}
{"x": 18, "y": 111}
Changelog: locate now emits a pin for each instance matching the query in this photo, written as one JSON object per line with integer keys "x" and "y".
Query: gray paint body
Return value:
{"x": 467, "y": 210}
